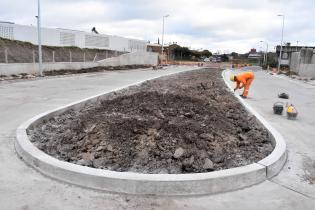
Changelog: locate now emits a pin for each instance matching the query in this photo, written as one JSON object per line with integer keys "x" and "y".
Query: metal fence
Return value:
{"x": 14, "y": 54}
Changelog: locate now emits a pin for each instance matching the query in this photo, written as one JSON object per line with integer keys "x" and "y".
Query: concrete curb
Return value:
{"x": 276, "y": 160}
{"x": 134, "y": 183}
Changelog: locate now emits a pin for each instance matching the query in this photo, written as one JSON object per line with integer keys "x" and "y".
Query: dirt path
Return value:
{"x": 185, "y": 123}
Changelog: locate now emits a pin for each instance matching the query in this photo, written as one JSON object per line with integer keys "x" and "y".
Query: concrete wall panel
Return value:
{"x": 60, "y": 37}
{"x": 307, "y": 70}
{"x": 136, "y": 58}
{"x": 295, "y": 62}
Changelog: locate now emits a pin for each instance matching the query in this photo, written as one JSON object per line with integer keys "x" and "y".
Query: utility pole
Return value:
{"x": 165, "y": 16}
{"x": 297, "y": 43}
{"x": 267, "y": 46}
{"x": 39, "y": 41}
{"x": 280, "y": 56}
{"x": 266, "y": 53}
{"x": 261, "y": 51}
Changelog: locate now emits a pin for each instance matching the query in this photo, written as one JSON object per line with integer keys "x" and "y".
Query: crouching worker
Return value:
{"x": 243, "y": 80}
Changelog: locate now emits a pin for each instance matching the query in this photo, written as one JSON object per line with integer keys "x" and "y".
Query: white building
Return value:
{"x": 65, "y": 37}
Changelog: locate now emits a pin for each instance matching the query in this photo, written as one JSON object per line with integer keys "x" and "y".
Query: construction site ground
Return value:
{"x": 22, "y": 187}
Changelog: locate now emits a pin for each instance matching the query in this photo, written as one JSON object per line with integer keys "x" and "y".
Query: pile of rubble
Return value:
{"x": 185, "y": 123}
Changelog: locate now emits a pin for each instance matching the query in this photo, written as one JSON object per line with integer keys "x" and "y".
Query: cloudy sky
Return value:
{"x": 217, "y": 25}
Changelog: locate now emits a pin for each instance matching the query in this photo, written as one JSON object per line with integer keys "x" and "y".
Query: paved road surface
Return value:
{"x": 21, "y": 187}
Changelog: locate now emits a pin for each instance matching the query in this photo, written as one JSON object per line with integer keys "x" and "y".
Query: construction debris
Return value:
{"x": 283, "y": 95}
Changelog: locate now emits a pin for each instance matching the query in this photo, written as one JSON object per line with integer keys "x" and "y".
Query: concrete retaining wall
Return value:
{"x": 313, "y": 58}
{"x": 303, "y": 63}
{"x": 32, "y": 68}
{"x": 307, "y": 70}
{"x": 295, "y": 62}
{"x": 135, "y": 58}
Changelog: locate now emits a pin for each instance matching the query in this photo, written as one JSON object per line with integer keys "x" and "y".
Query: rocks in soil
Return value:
{"x": 143, "y": 156}
{"x": 242, "y": 137}
{"x": 190, "y": 136}
{"x": 83, "y": 162}
{"x": 206, "y": 136}
{"x": 109, "y": 148}
{"x": 179, "y": 152}
{"x": 189, "y": 114}
{"x": 88, "y": 156}
{"x": 99, "y": 163}
{"x": 208, "y": 164}
{"x": 167, "y": 125}
{"x": 187, "y": 164}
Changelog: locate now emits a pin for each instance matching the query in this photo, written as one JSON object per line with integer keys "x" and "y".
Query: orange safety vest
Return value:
{"x": 244, "y": 77}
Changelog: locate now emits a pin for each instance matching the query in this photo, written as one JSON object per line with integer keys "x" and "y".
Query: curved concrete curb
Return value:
{"x": 134, "y": 183}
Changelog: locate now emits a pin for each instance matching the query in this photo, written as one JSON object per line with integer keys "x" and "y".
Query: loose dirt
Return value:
{"x": 185, "y": 123}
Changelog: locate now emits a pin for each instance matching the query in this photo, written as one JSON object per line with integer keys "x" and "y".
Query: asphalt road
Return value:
{"x": 21, "y": 187}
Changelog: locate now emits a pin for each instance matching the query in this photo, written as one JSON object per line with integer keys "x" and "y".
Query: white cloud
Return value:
{"x": 225, "y": 25}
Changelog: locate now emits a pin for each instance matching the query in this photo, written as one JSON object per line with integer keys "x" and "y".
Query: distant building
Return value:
{"x": 66, "y": 37}
{"x": 216, "y": 59}
{"x": 255, "y": 57}
{"x": 253, "y": 54}
{"x": 157, "y": 48}
{"x": 168, "y": 49}
{"x": 287, "y": 51}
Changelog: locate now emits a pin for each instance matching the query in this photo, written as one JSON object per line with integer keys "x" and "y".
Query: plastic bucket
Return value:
{"x": 278, "y": 108}
{"x": 292, "y": 115}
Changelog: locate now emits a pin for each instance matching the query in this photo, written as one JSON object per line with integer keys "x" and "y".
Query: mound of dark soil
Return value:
{"x": 185, "y": 123}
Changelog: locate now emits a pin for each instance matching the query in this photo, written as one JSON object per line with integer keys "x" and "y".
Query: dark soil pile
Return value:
{"x": 185, "y": 123}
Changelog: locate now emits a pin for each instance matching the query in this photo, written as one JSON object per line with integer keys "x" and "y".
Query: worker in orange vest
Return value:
{"x": 243, "y": 80}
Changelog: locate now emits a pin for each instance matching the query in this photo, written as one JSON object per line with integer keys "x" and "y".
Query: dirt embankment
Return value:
{"x": 23, "y": 52}
{"x": 185, "y": 123}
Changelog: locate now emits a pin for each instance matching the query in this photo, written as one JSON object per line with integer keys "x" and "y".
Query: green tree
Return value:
{"x": 234, "y": 54}
{"x": 206, "y": 53}
{"x": 224, "y": 58}
{"x": 184, "y": 53}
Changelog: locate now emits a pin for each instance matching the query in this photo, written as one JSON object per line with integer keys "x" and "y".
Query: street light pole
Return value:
{"x": 39, "y": 41}
{"x": 267, "y": 46}
{"x": 297, "y": 43}
{"x": 165, "y": 16}
{"x": 280, "y": 56}
{"x": 266, "y": 53}
{"x": 263, "y": 53}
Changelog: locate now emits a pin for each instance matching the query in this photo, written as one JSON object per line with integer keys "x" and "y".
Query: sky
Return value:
{"x": 223, "y": 26}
